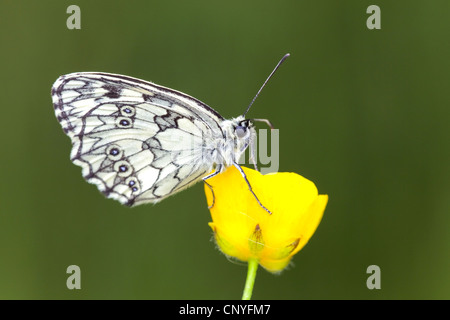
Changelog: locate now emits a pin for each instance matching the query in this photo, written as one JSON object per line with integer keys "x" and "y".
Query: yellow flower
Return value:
{"x": 244, "y": 230}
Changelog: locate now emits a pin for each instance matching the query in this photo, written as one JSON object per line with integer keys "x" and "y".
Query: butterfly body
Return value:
{"x": 139, "y": 142}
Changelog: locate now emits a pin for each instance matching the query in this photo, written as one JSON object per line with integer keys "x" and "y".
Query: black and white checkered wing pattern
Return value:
{"x": 137, "y": 141}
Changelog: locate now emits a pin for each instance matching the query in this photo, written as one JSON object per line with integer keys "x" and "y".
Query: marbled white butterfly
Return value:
{"x": 139, "y": 142}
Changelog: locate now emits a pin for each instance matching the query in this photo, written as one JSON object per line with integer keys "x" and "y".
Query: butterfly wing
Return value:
{"x": 137, "y": 141}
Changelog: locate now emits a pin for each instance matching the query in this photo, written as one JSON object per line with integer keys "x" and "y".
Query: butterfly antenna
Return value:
{"x": 264, "y": 84}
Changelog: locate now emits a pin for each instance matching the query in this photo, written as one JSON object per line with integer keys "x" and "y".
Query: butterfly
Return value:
{"x": 140, "y": 142}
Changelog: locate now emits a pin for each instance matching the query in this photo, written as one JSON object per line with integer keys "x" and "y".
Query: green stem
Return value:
{"x": 250, "y": 281}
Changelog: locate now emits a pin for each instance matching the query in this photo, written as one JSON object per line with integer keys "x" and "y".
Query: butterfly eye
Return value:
{"x": 241, "y": 131}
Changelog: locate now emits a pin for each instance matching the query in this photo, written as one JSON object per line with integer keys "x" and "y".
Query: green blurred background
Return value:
{"x": 362, "y": 113}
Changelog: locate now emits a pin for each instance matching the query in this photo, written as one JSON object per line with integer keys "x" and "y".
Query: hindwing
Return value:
{"x": 137, "y": 141}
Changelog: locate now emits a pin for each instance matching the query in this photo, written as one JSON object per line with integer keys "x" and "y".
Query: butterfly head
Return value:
{"x": 242, "y": 129}
{"x": 243, "y": 133}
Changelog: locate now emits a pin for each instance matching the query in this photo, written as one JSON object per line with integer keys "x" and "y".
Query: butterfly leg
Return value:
{"x": 250, "y": 187}
{"x": 252, "y": 151}
{"x": 253, "y": 157}
{"x": 218, "y": 169}
{"x": 265, "y": 121}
